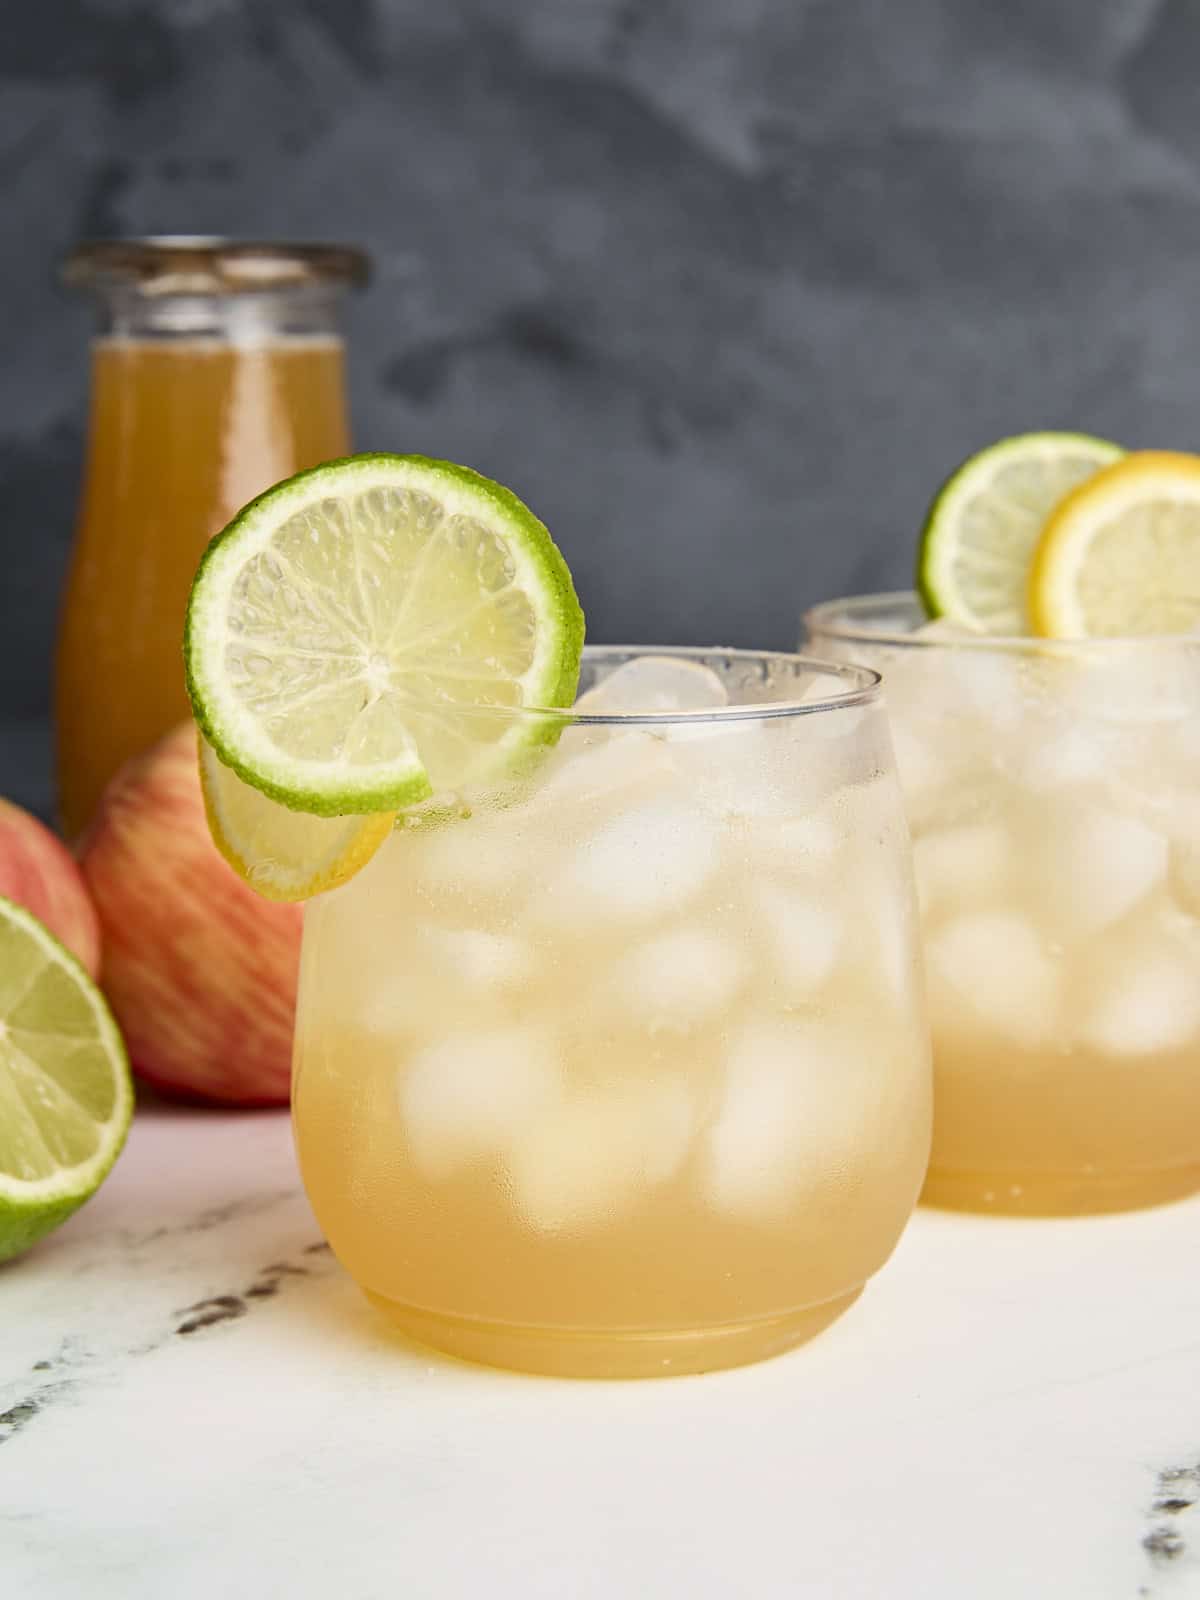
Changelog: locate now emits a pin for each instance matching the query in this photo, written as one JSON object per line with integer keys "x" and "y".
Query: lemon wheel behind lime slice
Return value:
{"x": 284, "y": 855}
{"x": 1120, "y": 556}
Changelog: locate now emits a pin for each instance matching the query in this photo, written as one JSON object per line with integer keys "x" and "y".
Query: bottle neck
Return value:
{"x": 128, "y": 312}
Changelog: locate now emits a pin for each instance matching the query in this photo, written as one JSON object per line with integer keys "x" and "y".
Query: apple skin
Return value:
{"x": 39, "y": 872}
{"x": 199, "y": 970}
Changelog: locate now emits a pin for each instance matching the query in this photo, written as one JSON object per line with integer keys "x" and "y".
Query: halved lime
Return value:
{"x": 284, "y": 855}
{"x": 353, "y": 633}
{"x": 66, "y": 1096}
{"x": 982, "y": 529}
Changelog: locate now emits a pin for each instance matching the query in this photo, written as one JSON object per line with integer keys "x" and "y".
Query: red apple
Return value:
{"x": 200, "y": 971}
{"x": 39, "y": 872}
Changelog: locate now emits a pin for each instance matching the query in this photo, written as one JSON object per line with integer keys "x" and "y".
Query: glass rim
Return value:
{"x": 835, "y": 619}
{"x": 211, "y": 264}
{"x": 863, "y": 688}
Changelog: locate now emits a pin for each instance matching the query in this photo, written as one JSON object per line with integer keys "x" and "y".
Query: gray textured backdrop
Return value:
{"x": 722, "y": 287}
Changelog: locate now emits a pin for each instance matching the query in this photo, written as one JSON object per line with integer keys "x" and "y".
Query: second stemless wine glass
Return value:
{"x": 1052, "y": 789}
{"x": 622, "y": 1069}
{"x": 217, "y": 370}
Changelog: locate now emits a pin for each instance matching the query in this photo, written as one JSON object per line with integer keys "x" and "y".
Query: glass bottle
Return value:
{"x": 217, "y": 369}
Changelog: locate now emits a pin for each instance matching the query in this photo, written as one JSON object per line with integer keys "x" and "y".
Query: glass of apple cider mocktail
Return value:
{"x": 619, "y": 1067}
{"x": 1052, "y": 791}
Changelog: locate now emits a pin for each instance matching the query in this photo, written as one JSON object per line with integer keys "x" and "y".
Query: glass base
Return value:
{"x": 1056, "y": 1194}
{"x": 586, "y": 1353}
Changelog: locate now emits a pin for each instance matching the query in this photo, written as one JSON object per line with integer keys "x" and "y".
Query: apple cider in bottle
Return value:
{"x": 216, "y": 371}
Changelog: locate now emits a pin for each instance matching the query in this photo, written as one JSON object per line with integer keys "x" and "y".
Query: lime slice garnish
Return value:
{"x": 983, "y": 526}
{"x": 66, "y": 1096}
{"x": 284, "y": 855}
{"x": 1121, "y": 554}
{"x": 352, "y": 633}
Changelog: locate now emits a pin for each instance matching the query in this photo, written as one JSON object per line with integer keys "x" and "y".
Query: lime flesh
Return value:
{"x": 66, "y": 1096}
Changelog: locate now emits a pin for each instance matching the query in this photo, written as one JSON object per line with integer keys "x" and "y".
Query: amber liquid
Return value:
{"x": 182, "y": 434}
{"x": 525, "y": 1165}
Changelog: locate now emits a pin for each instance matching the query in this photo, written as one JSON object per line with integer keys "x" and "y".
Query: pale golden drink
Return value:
{"x": 621, "y": 1068}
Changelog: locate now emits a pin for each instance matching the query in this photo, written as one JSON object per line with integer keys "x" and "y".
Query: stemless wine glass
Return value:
{"x": 620, "y": 1067}
{"x": 1053, "y": 790}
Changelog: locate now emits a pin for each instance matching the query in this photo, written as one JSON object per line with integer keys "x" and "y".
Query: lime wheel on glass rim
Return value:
{"x": 981, "y": 531}
{"x": 351, "y": 636}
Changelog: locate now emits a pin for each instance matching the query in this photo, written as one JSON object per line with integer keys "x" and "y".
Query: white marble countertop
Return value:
{"x": 194, "y": 1400}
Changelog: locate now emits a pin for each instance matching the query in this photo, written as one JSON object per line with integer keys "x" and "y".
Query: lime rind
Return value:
{"x": 32, "y": 1208}
{"x": 330, "y": 787}
{"x": 1001, "y": 571}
